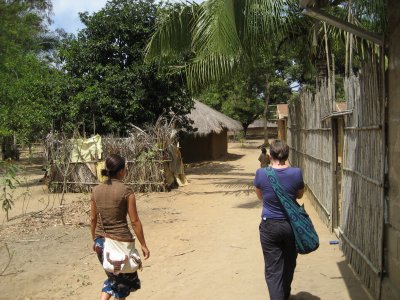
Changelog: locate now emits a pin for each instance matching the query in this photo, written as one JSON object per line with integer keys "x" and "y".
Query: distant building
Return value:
{"x": 256, "y": 129}
{"x": 210, "y": 140}
{"x": 282, "y": 112}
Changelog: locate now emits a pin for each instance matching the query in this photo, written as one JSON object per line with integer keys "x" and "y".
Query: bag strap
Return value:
{"x": 283, "y": 196}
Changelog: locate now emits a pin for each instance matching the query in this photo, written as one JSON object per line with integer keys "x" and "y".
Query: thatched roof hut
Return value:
{"x": 210, "y": 139}
{"x": 256, "y": 129}
{"x": 207, "y": 120}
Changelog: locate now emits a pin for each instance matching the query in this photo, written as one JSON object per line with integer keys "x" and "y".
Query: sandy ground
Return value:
{"x": 203, "y": 240}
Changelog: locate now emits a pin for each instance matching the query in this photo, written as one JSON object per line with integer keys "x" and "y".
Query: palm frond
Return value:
{"x": 374, "y": 13}
{"x": 216, "y": 30}
{"x": 173, "y": 34}
{"x": 268, "y": 19}
{"x": 203, "y": 71}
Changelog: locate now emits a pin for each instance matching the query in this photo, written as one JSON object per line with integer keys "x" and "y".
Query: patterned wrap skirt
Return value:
{"x": 118, "y": 286}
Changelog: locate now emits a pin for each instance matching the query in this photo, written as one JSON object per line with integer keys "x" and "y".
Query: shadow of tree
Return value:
{"x": 227, "y": 157}
{"x": 208, "y": 168}
{"x": 234, "y": 192}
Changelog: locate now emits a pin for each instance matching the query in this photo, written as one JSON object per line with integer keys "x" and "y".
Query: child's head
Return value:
{"x": 263, "y": 150}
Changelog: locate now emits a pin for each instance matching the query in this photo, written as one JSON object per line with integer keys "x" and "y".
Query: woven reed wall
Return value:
{"x": 361, "y": 216}
{"x": 310, "y": 142}
{"x": 146, "y": 154}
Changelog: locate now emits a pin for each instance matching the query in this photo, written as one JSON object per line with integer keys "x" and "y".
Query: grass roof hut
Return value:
{"x": 210, "y": 140}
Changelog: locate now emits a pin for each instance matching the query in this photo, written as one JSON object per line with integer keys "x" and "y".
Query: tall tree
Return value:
{"x": 24, "y": 36}
{"x": 241, "y": 97}
{"x": 111, "y": 88}
{"x": 221, "y": 36}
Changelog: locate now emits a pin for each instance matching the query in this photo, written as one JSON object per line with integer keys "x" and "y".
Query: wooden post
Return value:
{"x": 265, "y": 114}
{"x": 383, "y": 157}
{"x": 335, "y": 204}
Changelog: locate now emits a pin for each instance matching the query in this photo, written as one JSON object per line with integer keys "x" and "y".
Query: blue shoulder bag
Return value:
{"x": 304, "y": 232}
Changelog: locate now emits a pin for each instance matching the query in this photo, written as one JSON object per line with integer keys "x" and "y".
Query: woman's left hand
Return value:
{"x": 146, "y": 252}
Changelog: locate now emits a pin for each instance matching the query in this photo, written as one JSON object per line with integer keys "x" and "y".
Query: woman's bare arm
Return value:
{"x": 93, "y": 217}
{"x": 137, "y": 224}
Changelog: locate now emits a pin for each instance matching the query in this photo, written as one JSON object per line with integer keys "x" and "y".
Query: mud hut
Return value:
{"x": 210, "y": 139}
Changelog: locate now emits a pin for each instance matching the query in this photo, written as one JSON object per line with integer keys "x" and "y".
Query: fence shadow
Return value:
{"x": 354, "y": 286}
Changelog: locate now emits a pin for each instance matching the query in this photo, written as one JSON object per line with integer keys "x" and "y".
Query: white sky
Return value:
{"x": 65, "y": 12}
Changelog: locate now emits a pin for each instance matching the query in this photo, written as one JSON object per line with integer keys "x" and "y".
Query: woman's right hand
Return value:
{"x": 146, "y": 252}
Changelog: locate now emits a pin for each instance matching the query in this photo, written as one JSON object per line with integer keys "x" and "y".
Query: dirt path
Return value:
{"x": 203, "y": 240}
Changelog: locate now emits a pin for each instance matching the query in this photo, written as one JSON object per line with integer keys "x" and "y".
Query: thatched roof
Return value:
{"x": 208, "y": 120}
{"x": 260, "y": 124}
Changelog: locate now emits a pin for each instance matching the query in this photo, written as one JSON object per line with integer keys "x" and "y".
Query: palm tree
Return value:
{"x": 218, "y": 36}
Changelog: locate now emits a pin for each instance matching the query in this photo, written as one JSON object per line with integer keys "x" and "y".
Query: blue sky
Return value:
{"x": 65, "y": 12}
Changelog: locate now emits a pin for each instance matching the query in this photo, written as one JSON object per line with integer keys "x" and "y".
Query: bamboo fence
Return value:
{"x": 361, "y": 216}
{"x": 310, "y": 142}
{"x": 146, "y": 152}
{"x": 361, "y": 207}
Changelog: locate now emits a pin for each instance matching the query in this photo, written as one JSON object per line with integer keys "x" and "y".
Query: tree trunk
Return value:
{"x": 245, "y": 127}
{"x": 9, "y": 148}
{"x": 265, "y": 113}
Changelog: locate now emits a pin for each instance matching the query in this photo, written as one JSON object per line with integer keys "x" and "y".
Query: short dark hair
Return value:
{"x": 279, "y": 150}
{"x": 263, "y": 150}
{"x": 114, "y": 163}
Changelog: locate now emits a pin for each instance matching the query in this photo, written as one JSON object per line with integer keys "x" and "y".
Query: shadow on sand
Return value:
{"x": 250, "y": 205}
{"x": 354, "y": 286}
{"x": 304, "y": 296}
{"x": 213, "y": 167}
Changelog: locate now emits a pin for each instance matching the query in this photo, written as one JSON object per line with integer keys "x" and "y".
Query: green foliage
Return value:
{"x": 25, "y": 77}
{"x": 8, "y": 182}
{"x": 149, "y": 155}
{"x": 242, "y": 96}
{"x": 239, "y": 98}
{"x": 221, "y": 35}
{"x": 28, "y": 108}
{"x": 109, "y": 86}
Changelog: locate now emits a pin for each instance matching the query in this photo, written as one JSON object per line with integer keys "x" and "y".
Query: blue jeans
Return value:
{"x": 279, "y": 249}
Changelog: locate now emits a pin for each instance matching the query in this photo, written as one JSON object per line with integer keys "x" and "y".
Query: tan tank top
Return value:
{"x": 111, "y": 200}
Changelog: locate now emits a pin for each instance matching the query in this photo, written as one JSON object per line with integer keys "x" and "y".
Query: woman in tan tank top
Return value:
{"x": 114, "y": 201}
